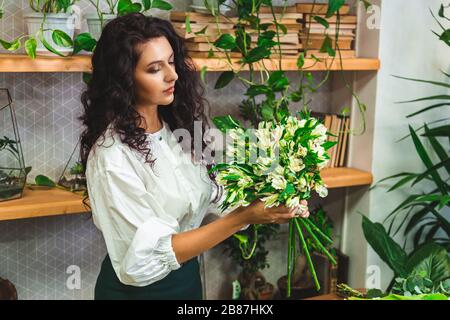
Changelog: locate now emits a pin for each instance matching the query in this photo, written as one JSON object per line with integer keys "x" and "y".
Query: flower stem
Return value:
{"x": 323, "y": 235}
{"x": 306, "y": 250}
{"x": 319, "y": 244}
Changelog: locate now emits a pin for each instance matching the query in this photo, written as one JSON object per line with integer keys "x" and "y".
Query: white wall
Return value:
{"x": 407, "y": 48}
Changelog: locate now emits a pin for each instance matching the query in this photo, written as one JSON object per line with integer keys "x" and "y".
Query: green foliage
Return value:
{"x": 424, "y": 271}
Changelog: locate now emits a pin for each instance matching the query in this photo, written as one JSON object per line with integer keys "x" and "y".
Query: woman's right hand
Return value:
{"x": 256, "y": 213}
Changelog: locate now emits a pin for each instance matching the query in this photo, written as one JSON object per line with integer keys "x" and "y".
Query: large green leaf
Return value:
{"x": 225, "y": 123}
{"x": 42, "y": 180}
{"x": 256, "y": 54}
{"x": 436, "y": 83}
{"x": 30, "y": 47}
{"x": 61, "y": 38}
{"x": 47, "y": 45}
{"x": 225, "y": 41}
{"x": 84, "y": 41}
{"x": 434, "y": 106}
{"x": 430, "y": 260}
{"x": 334, "y": 6}
{"x": 162, "y": 5}
{"x": 10, "y": 46}
{"x": 224, "y": 79}
{"x": 388, "y": 250}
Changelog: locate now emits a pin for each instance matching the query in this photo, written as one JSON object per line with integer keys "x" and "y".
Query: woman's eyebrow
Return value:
{"x": 159, "y": 60}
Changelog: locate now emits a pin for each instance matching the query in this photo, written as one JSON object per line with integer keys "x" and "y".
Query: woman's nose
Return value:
{"x": 171, "y": 74}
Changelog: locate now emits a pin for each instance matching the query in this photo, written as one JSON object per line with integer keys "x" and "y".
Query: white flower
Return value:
{"x": 302, "y": 123}
{"x": 302, "y": 185}
{"x": 296, "y": 165}
{"x": 321, "y": 190}
{"x": 293, "y": 202}
{"x": 322, "y": 165}
{"x": 271, "y": 200}
{"x": 264, "y": 138}
{"x": 302, "y": 151}
{"x": 279, "y": 183}
{"x": 320, "y": 131}
{"x": 265, "y": 161}
{"x": 277, "y": 133}
{"x": 245, "y": 181}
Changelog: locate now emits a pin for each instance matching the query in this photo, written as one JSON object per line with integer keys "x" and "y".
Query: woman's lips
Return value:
{"x": 170, "y": 90}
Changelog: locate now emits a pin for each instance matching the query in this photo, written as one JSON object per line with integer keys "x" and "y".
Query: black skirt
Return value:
{"x": 181, "y": 284}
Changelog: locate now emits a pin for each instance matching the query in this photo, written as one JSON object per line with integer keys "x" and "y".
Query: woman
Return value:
{"x": 147, "y": 195}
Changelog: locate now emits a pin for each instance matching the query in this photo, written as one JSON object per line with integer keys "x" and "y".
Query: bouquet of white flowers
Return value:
{"x": 278, "y": 163}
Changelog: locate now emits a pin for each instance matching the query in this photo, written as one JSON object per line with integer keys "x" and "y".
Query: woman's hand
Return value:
{"x": 256, "y": 213}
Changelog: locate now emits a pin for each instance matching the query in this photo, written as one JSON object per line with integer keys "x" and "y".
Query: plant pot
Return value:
{"x": 12, "y": 183}
{"x": 61, "y": 21}
{"x": 297, "y": 291}
{"x": 95, "y": 25}
{"x": 199, "y": 6}
{"x": 255, "y": 287}
{"x": 74, "y": 182}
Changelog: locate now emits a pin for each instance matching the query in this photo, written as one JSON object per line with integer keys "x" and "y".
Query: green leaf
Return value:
{"x": 61, "y": 38}
{"x": 147, "y": 4}
{"x": 126, "y": 6}
{"x": 428, "y": 109}
{"x": 225, "y": 41}
{"x": 430, "y": 260}
{"x": 334, "y": 6}
{"x": 367, "y": 4}
{"x": 387, "y": 249}
{"x": 224, "y": 123}
{"x": 10, "y": 46}
{"x": 267, "y": 111}
{"x": 301, "y": 60}
{"x": 436, "y": 83}
{"x": 329, "y": 144}
{"x": 439, "y": 97}
{"x": 47, "y": 45}
{"x": 201, "y": 32}
{"x": 44, "y": 181}
{"x": 427, "y": 161}
{"x": 445, "y": 36}
{"x": 28, "y": 170}
{"x": 203, "y": 74}
{"x": 256, "y": 54}
{"x": 84, "y": 41}
{"x": 256, "y": 89}
{"x": 327, "y": 47}
{"x": 162, "y": 5}
{"x": 188, "y": 24}
{"x": 322, "y": 21}
{"x": 443, "y": 131}
{"x": 278, "y": 80}
{"x": 224, "y": 79}
{"x": 87, "y": 77}
{"x": 30, "y": 47}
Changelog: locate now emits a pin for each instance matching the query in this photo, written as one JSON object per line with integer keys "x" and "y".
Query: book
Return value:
{"x": 278, "y": 9}
{"x": 199, "y": 26}
{"x": 330, "y": 32}
{"x": 344, "y": 142}
{"x": 319, "y": 8}
{"x": 344, "y": 54}
{"x": 196, "y": 17}
{"x": 332, "y": 26}
{"x": 348, "y": 19}
{"x": 217, "y": 54}
{"x": 317, "y": 43}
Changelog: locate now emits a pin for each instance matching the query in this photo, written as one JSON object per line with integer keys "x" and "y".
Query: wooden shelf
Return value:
{"x": 345, "y": 177}
{"x": 82, "y": 63}
{"x": 52, "y": 202}
{"x": 41, "y": 203}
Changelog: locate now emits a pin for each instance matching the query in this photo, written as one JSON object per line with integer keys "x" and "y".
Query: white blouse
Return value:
{"x": 138, "y": 208}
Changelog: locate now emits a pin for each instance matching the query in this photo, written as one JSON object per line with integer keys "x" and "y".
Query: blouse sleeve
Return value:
{"x": 138, "y": 234}
{"x": 214, "y": 206}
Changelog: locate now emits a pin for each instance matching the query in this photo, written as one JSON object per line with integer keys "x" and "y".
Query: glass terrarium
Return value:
{"x": 13, "y": 174}
{"x": 73, "y": 177}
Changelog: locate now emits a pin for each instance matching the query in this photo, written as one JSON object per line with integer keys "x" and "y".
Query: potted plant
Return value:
{"x": 50, "y": 27}
{"x": 115, "y": 8}
{"x": 251, "y": 281}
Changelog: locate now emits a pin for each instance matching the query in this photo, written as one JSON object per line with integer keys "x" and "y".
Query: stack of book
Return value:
{"x": 292, "y": 20}
{"x": 313, "y": 33}
{"x": 200, "y": 44}
{"x": 339, "y": 126}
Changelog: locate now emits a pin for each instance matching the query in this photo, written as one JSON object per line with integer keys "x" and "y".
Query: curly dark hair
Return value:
{"x": 110, "y": 93}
